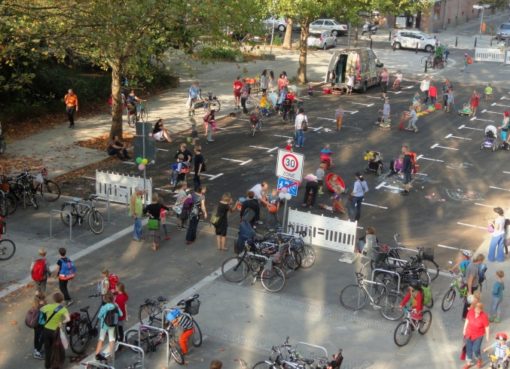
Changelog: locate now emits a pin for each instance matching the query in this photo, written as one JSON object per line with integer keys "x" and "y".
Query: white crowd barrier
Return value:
{"x": 119, "y": 187}
{"x": 484, "y": 54}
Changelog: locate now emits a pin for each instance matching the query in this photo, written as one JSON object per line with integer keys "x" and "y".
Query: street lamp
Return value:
{"x": 481, "y": 7}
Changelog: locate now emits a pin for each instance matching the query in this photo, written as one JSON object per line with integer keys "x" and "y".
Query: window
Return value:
{"x": 329, "y": 23}
{"x": 505, "y": 26}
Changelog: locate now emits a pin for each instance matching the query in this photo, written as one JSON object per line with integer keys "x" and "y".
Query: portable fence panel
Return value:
{"x": 119, "y": 187}
{"x": 331, "y": 233}
{"x": 483, "y": 54}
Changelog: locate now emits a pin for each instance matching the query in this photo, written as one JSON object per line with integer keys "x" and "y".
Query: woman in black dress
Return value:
{"x": 221, "y": 225}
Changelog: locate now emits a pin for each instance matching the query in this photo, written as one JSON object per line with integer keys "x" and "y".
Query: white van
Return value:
{"x": 362, "y": 63}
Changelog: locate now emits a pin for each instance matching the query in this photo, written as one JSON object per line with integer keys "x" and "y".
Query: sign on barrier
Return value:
{"x": 331, "y": 233}
{"x": 490, "y": 54}
{"x": 507, "y": 57}
{"x": 119, "y": 187}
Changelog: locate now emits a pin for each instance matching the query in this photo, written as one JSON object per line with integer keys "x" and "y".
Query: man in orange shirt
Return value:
{"x": 71, "y": 101}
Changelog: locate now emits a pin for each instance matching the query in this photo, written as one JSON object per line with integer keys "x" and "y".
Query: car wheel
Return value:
{"x": 334, "y": 33}
{"x": 325, "y": 46}
{"x": 397, "y": 45}
{"x": 281, "y": 28}
{"x": 429, "y": 48}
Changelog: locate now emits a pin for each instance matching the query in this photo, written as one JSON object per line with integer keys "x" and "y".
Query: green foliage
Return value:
{"x": 219, "y": 53}
{"x": 498, "y": 4}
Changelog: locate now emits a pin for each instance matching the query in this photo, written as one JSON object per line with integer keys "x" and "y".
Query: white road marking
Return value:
{"x": 162, "y": 150}
{"x": 496, "y": 104}
{"x": 463, "y": 126}
{"x": 448, "y": 247}
{"x": 241, "y": 162}
{"x": 268, "y": 149}
{"x": 395, "y": 92}
{"x": 246, "y": 162}
{"x": 429, "y": 159}
{"x": 367, "y": 105}
{"x": 504, "y": 98}
{"x": 129, "y": 162}
{"x": 283, "y": 136}
{"x": 471, "y": 225}
{"x": 482, "y": 120}
{"x": 443, "y": 147}
{"x": 485, "y": 205}
{"x": 375, "y": 206}
{"x": 408, "y": 87}
{"x": 421, "y": 174}
{"x": 352, "y": 112}
{"x": 316, "y": 129}
{"x": 457, "y": 137}
{"x": 499, "y": 188}
{"x": 383, "y": 184}
{"x": 373, "y": 97}
{"x": 506, "y": 172}
{"x": 163, "y": 189}
{"x": 490, "y": 111}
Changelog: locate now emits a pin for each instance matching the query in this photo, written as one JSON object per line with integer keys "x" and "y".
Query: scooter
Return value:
{"x": 369, "y": 28}
{"x": 3, "y": 145}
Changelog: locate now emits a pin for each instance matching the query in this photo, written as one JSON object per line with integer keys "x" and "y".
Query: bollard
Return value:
{"x": 416, "y": 51}
{"x": 456, "y": 41}
{"x": 491, "y": 41}
{"x": 370, "y": 42}
{"x": 475, "y": 41}
{"x": 426, "y": 62}
{"x": 389, "y": 36}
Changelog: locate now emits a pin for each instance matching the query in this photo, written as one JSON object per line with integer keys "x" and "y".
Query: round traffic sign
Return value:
{"x": 290, "y": 162}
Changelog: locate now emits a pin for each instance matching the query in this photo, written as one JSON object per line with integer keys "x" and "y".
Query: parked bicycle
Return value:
{"x": 22, "y": 189}
{"x": 46, "y": 188}
{"x": 405, "y": 328}
{"x": 82, "y": 327}
{"x": 7, "y": 247}
{"x": 139, "y": 114}
{"x": 83, "y": 211}
{"x": 457, "y": 286}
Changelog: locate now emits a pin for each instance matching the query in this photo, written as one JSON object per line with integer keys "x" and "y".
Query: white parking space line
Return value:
{"x": 316, "y": 129}
{"x": 448, "y": 247}
{"x": 241, "y": 162}
{"x": 492, "y": 112}
{"x": 482, "y": 120}
{"x": 471, "y": 226}
{"x": 210, "y": 177}
{"x": 373, "y": 97}
{"x": 485, "y": 205}
{"x": 436, "y": 145}
{"x": 383, "y": 184}
{"x": 395, "y": 92}
{"x": 499, "y": 188}
{"x": 504, "y": 98}
{"x": 367, "y": 105}
{"x": 128, "y": 163}
{"x": 375, "y": 206}
{"x": 162, "y": 150}
{"x": 268, "y": 149}
{"x": 463, "y": 126}
{"x": 283, "y": 136}
{"x": 457, "y": 137}
{"x": 429, "y": 159}
{"x": 506, "y": 172}
{"x": 421, "y": 174}
{"x": 408, "y": 87}
{"x": 496, "y": 104}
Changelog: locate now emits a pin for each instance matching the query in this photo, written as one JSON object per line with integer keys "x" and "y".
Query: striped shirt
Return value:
{"x": 185, "y": 322}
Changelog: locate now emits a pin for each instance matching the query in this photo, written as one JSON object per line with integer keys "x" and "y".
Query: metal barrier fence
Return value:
{"x": 483, "y": 54}
{"x": 119, "y": 187}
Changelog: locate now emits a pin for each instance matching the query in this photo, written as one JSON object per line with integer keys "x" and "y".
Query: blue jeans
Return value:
{"x": 356, "y": 205}
{"x": 473, "y": 349}
{"x": 300, "y": 137}
{"x": 137, "y": 229}
{"x": 496, "y": 307}
{"x": 497, "y": 248}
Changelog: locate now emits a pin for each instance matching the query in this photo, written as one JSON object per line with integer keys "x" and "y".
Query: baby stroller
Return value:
{"x": 489, "y": 142}
{"x": 375, "y": 163}
{"x": 465, "y": 111}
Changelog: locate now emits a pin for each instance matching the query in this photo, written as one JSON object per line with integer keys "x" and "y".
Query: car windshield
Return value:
{"x": 505, "y": 26}
{"x": 315, "y": 34}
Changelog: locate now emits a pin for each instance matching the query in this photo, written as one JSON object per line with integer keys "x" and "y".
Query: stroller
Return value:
{"x": 375, "y": 163}
{"x": 465, "y": 111}
{"x": 490, "y": 140}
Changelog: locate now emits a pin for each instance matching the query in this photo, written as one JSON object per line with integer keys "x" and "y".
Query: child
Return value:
{"x": 40, "y": 272}
{"x": 368, "y": 244}
{"x": 501, "y": 351}
{"x": 179, "y": 320}
{"x": 176, "y": 170}
{"x": 339, "y": 117}
{"x": 288, "y": 147}
{"x": 325, "y": 156}
{"x": 310, "y": 89}
{"x": 488, "y": 92}
{"x": 320, "y": 173}
{"x": 264, "y": 105}
{"x": 350, "y": 84}
{"x": 497, "y": 295}
{"x": 162, "y": 217}
{"x": 398, "y": 80}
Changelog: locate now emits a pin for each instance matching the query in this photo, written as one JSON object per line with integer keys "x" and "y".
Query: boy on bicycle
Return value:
{"x": 413, "y": 300}
{"x": 178, "y": 319}
{"x": 501, "y": 351}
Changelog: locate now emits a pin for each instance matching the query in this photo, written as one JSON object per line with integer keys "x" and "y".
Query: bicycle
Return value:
{"x": 22, "y": 189}
{"x": 7, "y": 247}
{"x": 48, "y": 189}
{"x": 83, "y": 210}
{"x": 356, "y": 296}
{"x": 456, "y": 286}
{"x": 405, "y": 328}
{"x": 211, "y": 102}
{"x": 81, "y": 328}
{"x": 261, "y": 267}
{"x": 255, "y": 125}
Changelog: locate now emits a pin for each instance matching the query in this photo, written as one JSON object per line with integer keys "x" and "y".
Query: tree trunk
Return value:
{"x": 303, "y": 50}
{"x": 287, "y": 40}
{"x": 116, "y": 128}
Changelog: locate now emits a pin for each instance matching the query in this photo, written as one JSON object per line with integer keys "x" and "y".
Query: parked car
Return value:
{"x": 321, "y": 40}
{"x": 503, "y": 32}
{"x": 408, "y": 39}
{"x": 330, "y": 25}
{"x": 277, "y": 23}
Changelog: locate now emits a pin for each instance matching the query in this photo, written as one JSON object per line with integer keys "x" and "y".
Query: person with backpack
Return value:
{"x": 473, "y": 273}
{"x": 153, "y": 210}
{"x": 53, "y": 317}
{"x": 40, "y": 271}
{"x": 66, "y": 271}
{"x": 497, "y": 247}
{"x": 197, "y": 209}
{"x": 121, "y": 299}
{"x": 33, "y": 320}
{"x": 108, "y": 317}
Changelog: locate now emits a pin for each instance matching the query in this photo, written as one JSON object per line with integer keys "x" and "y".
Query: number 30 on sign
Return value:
{"x": 290, "y": 165}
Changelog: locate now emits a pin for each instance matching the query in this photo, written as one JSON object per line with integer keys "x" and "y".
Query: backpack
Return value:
{"x": 427, "y": 295}
{"x": 482, "y": 269}
{"x": 245, "y": 92}
{"x": 254, "y": 118}
{"x": 111, "y": 319}
{"x": 39, "y": 270}
{"x": 67, "y": 270}
{"x": 32, "y": 318}
{"x": 113, "y": 279}
{"x": 195, "y": 209}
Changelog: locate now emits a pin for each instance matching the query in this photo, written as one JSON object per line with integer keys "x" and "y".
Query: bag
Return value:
{"x": 153, "y": 224}
{"x": 43, "y": 321}
{"x": 427, "y": 295}
{"x": 482, "y": 270}
{"x": 39, "y": 270}
{"x": 177, "y": 209}
{"x": 63, "y": 339}
{"x": 67, "y": 270}
{"x": 469, "y": 60}
{"x": 305, "y": 125}
{"x": 32, "y": 318}
{"x": 111, "y": 319}
{"x": 215, "y": 220}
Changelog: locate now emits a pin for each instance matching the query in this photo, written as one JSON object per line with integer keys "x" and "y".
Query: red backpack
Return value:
{"x": 39, "y": 270}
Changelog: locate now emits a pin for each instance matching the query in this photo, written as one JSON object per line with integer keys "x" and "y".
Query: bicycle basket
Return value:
{"x": 192, "y": 307}
{"x": 427, "y": 253}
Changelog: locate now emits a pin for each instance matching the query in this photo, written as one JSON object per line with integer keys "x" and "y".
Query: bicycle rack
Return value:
{"x": 139, "y": 351}
{"x": 388, "y": 272}
{"x": 107, "y": 199}
{"x": 160, "y": 330}
{"x": 68, "y": 215}
{"x": 313, "y": 355}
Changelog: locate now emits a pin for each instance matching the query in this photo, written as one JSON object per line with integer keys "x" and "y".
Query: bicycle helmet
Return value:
{"x": 173, "y": 314}
{"x": 501, "y": 336}
{"x": 415, "y": 284}
{"x": 467, "y": 253}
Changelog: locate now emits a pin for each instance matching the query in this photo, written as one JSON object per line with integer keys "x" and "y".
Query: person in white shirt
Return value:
{"x": 357, "y": 195}
{"x": 260, "y": 190}
{"x": 300, "y": 122}
{"x": 496, "y": 247}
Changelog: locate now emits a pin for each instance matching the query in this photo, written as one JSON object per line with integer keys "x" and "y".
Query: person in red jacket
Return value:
{"x": 474, "y": 102}
{"x": 413, "y": 300}
{"x": 237, "y": 87}
{"x": 432, "y": 94}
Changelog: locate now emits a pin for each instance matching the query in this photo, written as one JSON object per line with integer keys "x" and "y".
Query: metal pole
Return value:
{"x": 475, "y": 42}
{"x": 370, "y": 41}
{"x": 426, "y": 62}
{"x": 389, "y": 36}
{"x": 143, "y": 157}
{"x": 416, "y": 51}
{"x": 349, "y": 35}
{"x": 481, "y": 22}
{"x": 285, "y": 210}
{"x": 108, "y": 205}
{"x": 70, "y": 227}
{"x": 456, "y": 41}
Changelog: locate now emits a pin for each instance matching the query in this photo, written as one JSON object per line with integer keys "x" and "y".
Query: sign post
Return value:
{"x": 289, "y": 169}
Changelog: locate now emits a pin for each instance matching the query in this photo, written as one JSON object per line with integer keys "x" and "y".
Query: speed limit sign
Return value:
{"x": 290, "y": 165}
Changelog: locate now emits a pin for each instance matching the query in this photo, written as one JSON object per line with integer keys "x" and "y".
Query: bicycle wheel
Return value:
{"x": 273, "y": 280}
{"x": 49, "y": 190}
{"x": 426, "y": 322}
{"x": 196, "y": 338}
{"x": 424, "y": 277}
{"x": 95, "y": 220}
{"x": 131, "y": 338}
{"x": 80, "y": 337}
{"x": 307, "y": 256}
{"x": 402, "y": 334}
{"x": 69, "y": 208}
{"x": 238, "y": 272}
{"x": 432, "y": 268}
{"x": 292, "y": 260}
{"x": 149, "y": 313}
{"x": 11, "y": 203}
{"x": 448, "y": 299}
{"x": 175, "y": 351}
{"x": 7, "y": 249}
{"x": 390, "y": 306}
{"x": 353, "y": 297}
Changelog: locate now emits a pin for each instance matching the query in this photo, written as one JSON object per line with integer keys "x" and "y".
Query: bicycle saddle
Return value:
{"x": 84, "y": 309}
{"x": 308, "y": 361}
{"x": 162, "y": 299}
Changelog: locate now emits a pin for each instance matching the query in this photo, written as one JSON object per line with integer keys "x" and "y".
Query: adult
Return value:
{"x": 472, "y": 280}
{"x": 108, "y": 306}
{"x": 136, "y": 212}
{"x": 221, "y": 225}
{"x": 311, "y": 190}
{"x": 55, "y": 315}
{"x": 237, "y": 86}
{"x": 71, "y": 101}
{"x": 133, "y": 102}
{"x": 474, "y": 101}
{"x": 496, "y": 247}
{"x": 153, "y": 210}
{"x": 251, "y": 203}
{"x": 339, "y": 117}
{"x": 160, "y": 133}
{"x": 447, "y": 85}
{"x": 121, "y": 299}
{"x": 432, "y": 93}
{"x": 407, "y": 169}
{"x": 260, "y": 190}
{"x": 505, "y": 127}
{"x": 199, "y": 166}
{"x": 198, "y": 209}
{"x": 246, "y": 231}
{"x": 178, "y": 208}
{"x": 116, "y": 147}
{"x": 357, "y": 195}
{"x": 245, "y": 94}
{"x": 187, "y": 156}
{"x": 271, "y": 82}
{"x": 283, "y": 81}
{"x": 424, "y": 87}
{"x": 476, "y": 327}
{"x": 386, "y": 111}
{"x": 299, "y": 127}
{"x": 384, "y": 76}
{"x": 467, "y": 59}
{"x": 264, "y": 81}
{"x": 451, "y": 100}
{"x": 193, "y": 97}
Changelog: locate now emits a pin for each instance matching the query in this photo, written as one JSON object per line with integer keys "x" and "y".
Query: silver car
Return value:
{"x": 411, "y": 39}
{"x": 503, "y": 32}
{"x": 330, "y": 25}
{"x": 321, "y": 40}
